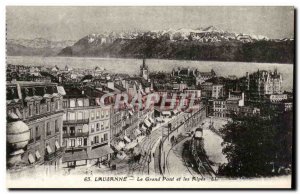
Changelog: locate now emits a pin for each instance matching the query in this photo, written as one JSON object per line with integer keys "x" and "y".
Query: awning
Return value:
{"x": 159, "y": 119}
{"x": 48, "y": 149}
{"x": 121, "y": 144}
{"x": 127, "y": 139}
{"x": 144, "y": 128}
{"x": 57, "y": 145}
{"x": 99, "y": 152}
{"x": 13, "y": 116}
{"x": 151, "y": 120}
{"x": 137, "y": 132}
{"x": 31, "y": 159}
{"x": 147, "y": 123}
{"x": 166, "y": 113}
{"x": 74, "y": 156}
{"x": 37, "y": 155}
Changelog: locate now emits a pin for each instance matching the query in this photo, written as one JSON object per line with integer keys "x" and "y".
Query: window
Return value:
{"x": 71, "y": 164}
{"x": 56, "y": 126}
{"x": 80, "y": 141}
{"x": 65, "y": 130}
{"x": 98, "y": 114}
{"x": 30, "y": 110}
{"x": 37, "y": 133}
{"x": 72, "y": 131}
{"x": 92, "y": 128}
{"x": 96, "y": 139}
{"x": 85, "y": 141}
{"x": 48, "y": 106}
{"x": 72, "y": 142}
{"x": 65, "y": 142}
{"x": 105, "y": 136}
{"x": 71, "y": 116}
{"x": 102, "y": 114}
{"x": 64, "y": 117}
{"x": 79, "y": 116}
{"x": 56, "y": 105}
{"x": 72, "y": 103}
{"x": 79, "y": 130}
{"x": 31, "y": 135}
{"x": 37, "y": 109}
{"x": 48, "y": 128}
{"x": 102, "y": 123}
{"x": 97, "y": 126}
{"x": 92, "y": 115}
{"x": 107, "y": 113}
{"x": 107, "y": 125}
{"x": 65, "y": 104}
{"x": 80, "y": 102}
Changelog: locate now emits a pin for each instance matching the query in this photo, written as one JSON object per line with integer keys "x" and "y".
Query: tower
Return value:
{"x": 144, "y": 72}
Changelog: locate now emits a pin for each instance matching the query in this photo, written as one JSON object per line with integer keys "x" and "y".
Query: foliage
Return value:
{"x": 253, "y": 145}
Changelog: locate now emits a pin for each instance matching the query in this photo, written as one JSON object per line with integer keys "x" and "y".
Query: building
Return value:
{"x": 86, "y": 127}
{"x": 203, "y": 76}
{"x": 217, "y": 91}
{"x": 211, "y": 90}
{"x": 261, "y": 83}
{"x": 39, "y": 106}
{"x": 218, "y": 107}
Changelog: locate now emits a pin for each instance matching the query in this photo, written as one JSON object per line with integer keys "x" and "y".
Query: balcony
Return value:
{"x": 70, "y": 135}
{"x": 76, "y": 122}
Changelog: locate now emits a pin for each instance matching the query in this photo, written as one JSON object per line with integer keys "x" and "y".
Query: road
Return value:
{"x": 149, "y": 143}
{"x": 176, "y": 165}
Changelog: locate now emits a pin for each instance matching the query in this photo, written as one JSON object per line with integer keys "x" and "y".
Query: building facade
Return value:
{"x": 39, "y": 106}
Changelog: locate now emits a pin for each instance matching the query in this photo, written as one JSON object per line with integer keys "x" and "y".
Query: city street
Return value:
{"x": 148, "y": 145}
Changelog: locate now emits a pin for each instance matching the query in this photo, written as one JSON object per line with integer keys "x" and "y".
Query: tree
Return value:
{"x": 252, "y": 145}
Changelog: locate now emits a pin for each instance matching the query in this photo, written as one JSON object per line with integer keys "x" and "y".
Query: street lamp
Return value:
{"x": 149, "y": 160}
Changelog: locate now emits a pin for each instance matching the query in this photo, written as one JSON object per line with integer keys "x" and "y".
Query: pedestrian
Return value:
{"x": 153, "y": 154}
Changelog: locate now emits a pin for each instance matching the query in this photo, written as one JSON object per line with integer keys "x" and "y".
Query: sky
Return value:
{"x": 73, "y": 23}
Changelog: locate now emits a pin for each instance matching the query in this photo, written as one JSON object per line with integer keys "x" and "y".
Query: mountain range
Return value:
{"x": 37, "y": 46}
{"x": 208, "y": 43}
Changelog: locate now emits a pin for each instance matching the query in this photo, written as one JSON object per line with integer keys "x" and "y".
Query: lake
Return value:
{"x": 132, "y": 66}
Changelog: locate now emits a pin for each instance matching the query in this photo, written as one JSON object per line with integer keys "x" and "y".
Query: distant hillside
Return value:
{"x": 38, "y": 46}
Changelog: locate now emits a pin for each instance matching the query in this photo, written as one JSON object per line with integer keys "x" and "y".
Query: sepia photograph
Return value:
{"x": 145, "y": 97}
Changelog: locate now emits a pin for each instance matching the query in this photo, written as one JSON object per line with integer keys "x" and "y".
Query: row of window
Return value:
{"x": 99, "y": 126}
{"x": 34, "y": 108}
{"x": 74, "y": 143}
{"x": 102, "y": 140}
{"x": 80, "y": 103}
{"x": 35, "y": 133}
{"x": 72, "y": 130}
{"x": 80, "y": 115}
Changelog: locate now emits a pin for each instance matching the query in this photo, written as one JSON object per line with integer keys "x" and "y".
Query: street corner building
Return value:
{"x": 34, "y": 126}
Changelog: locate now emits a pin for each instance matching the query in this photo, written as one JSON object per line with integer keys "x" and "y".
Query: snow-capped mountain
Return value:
{"x": 208, "y": 34}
